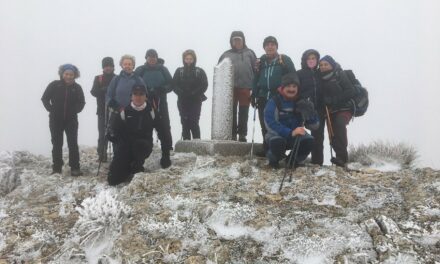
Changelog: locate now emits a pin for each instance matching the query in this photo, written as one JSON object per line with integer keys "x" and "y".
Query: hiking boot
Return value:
{"x": 57, "y": 170}
{"x": 242, "y": 138}
{"x": 165, "y": 161}
{"x": 76, "y": 172}
{"x": 338, "y": 162}
{"x": 274, "y": 165}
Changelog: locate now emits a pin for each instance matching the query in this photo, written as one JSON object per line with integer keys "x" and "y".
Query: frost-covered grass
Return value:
{"x": 381, "y": 154}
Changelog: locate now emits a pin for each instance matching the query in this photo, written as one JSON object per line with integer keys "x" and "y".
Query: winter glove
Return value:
{"x": 110, "y": 136}
{"x": 305, "y": 108}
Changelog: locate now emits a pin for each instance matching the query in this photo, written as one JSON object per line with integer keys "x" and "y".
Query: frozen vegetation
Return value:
{"x": 222, "y": 210}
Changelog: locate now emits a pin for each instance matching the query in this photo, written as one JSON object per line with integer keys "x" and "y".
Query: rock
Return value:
{"x": 274, "y": 197}
{"x": 387, "y": 225}
{"x": 195, "y": 260}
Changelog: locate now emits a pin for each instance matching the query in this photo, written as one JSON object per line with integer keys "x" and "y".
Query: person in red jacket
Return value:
{"x": 64, "y": 99}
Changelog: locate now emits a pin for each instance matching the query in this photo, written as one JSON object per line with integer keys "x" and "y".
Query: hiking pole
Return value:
{"x": 105, "y": 145}
{"x": 329, "y": 130}
{"x": 291, "y": 154}
{"x": 285, "y": 171}
{"x": 253, "y": 134}
{"x": 296, "y": 148}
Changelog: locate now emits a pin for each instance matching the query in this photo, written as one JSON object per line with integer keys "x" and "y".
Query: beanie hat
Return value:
{"x": 139, "y": 88}
{"x": 270, "y": 39}
{"x": 151, "y": 53}
{"x": 290, "y": 78}
{"x": 330, "y": 60}
{"x": 66, "y": 67}
{"x": 107, "y": 61}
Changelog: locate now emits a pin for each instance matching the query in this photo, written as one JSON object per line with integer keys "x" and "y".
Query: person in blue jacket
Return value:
{"x": 286, "y": 117}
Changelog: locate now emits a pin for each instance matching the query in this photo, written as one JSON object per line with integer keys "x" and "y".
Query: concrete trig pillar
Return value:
{"x": 222, "y": 101}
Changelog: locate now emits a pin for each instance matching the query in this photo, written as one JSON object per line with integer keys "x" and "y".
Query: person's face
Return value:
{"x": 237, "y": 43}
{"x": 138, "y": 98}
{"x": 324, "y": 66}
{"x": 291, "y": 91}
{"x": 68, "y": 76}
{"x": 108, "y": 69}
{"x": 312, "y": 61}
{"x": 151, "y": 60}
{"x": 270, "y": 49}
{"x": 127, "y": 65}
{"x": 188, "y": 59}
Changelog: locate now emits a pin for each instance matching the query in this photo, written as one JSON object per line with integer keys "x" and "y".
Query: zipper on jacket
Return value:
{"x": 65, "y": 103}
{"x": 314, "y": 86}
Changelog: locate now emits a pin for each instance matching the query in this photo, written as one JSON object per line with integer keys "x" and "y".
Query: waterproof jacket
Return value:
{"x": 99, "y": 90}
{"x": 337, "y": 89}
{"x": 157, "y": 77}
{"x": 119, "y": 89}
{"x": 190, "y": 83}
{"x": 131, "y": 125}
{"x": 243, "y": 61}
{"x": 281, "y": 120}
{"x": 310, "y": 80}
{"x": 62, "y": 101}
{"x": 268, "y": 78}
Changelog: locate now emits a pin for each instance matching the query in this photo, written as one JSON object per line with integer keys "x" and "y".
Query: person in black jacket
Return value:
{"x": 99, "y": 90}
{"x": 131, "y": 131}
{"x": 337, "y": 91}
{"x": 159, "y": 83}
{"x": 190, "y": 84}
{"x": 64, "y": 99}
{"x": 310, "y": 79}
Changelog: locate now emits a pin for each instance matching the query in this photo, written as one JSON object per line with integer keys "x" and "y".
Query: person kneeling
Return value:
{"x": 285, "y": 116}
{"x": 131, "y": 132}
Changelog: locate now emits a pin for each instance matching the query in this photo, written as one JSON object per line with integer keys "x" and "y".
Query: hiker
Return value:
{"x": 131, "y": 131}
{"x": 286, "y": 117}
{"x": 119, "y": 90}
{"x": 337, "y": 91}
{"x": 159, "y": 83}
{"x": 243, "y": 59}
{"x": 99, "y": 90}
{"x": 190, "y": 84}
{"x": 270, "y": 68}
{"x": 64, "y": 99}
{"x": 310, "y": 79}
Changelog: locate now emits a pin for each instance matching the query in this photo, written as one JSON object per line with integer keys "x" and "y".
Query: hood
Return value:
{"x": 237, "y": 34}
{"x": 189, "y": 52}
{"x": 306, "y": 54}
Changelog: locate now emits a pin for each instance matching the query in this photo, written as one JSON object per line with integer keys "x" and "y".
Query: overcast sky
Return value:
{"x": 392, "y": 46}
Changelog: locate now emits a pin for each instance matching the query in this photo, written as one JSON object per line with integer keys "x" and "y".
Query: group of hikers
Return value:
{"x": 134, "y": 103}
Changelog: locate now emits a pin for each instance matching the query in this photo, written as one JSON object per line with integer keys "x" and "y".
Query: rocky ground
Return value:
{"x": 216, "y": 210}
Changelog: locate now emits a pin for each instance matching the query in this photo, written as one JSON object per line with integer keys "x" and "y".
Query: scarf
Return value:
{"x": 139, "y": 108}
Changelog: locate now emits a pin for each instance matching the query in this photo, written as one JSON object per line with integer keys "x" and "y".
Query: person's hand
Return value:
{"x": 305, "y": 108}
{"x": 257, "y": 65}
{"x": 299, "y": 131}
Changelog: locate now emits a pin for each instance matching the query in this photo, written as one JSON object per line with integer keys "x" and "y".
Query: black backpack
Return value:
{"x": 359, "y": 103}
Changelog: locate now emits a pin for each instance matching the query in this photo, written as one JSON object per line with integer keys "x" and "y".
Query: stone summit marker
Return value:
{"x": 221, "y": 124}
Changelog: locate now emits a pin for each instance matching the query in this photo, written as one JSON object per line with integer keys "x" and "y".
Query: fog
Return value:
{"x": 392, "y": 46}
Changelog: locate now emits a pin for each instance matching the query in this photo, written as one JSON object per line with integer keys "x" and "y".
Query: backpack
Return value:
{"x": 359, "y": 103}
{"x": 181, "y": 71}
